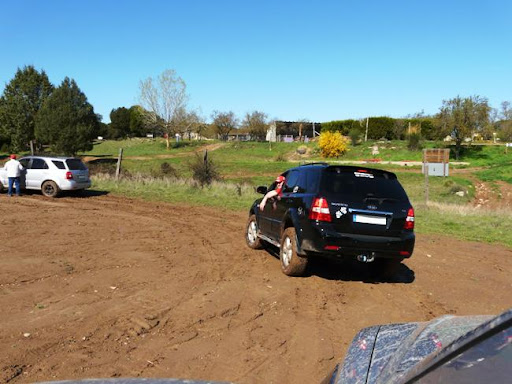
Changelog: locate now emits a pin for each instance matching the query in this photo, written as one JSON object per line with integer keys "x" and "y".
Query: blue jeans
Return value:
{"x": 16, "y": 181}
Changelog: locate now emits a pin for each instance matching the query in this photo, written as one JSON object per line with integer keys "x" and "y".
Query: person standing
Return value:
{"x": 14, "y": 169}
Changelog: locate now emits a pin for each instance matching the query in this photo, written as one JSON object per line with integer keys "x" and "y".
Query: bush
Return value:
{"x": 414, "y": 142}
{"x": 343, "y": 126}
{"x": 105, "y": 166}
{"x": 355, "y": 135}
{"x": 332, "y": 144}
{"x": 167, "y": 169}
{"x": 381, "y": 127}
{"x": 280, "y": 157}
{"x": 204, "y": 171}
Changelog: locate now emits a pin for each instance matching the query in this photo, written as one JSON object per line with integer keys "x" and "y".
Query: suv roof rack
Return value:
{"x": 314, "y": 163}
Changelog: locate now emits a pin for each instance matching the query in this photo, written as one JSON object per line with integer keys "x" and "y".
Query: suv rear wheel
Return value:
{"x": 291, "y": 263}
{"x": 50, "y": 189}
{"x": 251, "y": 233}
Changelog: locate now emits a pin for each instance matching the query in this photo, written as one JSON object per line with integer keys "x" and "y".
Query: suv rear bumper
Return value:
{"x": 339, "y": 245}
{"x": 71, "y": 185}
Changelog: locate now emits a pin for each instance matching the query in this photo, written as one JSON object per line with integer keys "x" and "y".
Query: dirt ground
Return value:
{"x": 102, "y": 286}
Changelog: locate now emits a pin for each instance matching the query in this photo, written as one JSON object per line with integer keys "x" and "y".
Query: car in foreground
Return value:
{"x": 335, "y": 211}
{"x": 50, "y": 175}
{"x": 447, "y": 349}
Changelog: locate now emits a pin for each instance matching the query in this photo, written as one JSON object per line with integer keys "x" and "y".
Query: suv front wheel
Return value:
{"x": 251, "y": 233}
{"x": 291, "y": 263}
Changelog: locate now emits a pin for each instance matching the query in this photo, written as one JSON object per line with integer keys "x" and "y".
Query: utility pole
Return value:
{"x": 366, "y": 133}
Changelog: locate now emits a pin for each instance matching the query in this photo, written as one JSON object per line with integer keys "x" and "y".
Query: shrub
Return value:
{"x": 343, "y": 126}
{"x": 280, "y": 157}
{"x": 355, "y": 135}
{"x": 105, "y": 166}
{"x": 167, "y": 169}
{"x": 204, "y": 171}
{"x": 414, "y": 141}
{"x": 332, "y": 144}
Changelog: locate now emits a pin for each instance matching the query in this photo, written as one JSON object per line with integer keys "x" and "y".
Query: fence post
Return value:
{"x": 426, "y": 183}
{"x": 119, "y": 159}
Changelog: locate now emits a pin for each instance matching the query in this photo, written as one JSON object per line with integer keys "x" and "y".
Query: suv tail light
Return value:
{"x": 69, "y": 175}
{"x": 320, "y": 210}
{"x": 409, "y": 220}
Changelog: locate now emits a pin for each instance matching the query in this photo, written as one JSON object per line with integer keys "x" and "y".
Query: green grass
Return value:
{"x": 440, "y": 189}
{"x": 140, "y": 147}
{"x": 499, "y": 172}
{"x": 466, "y": 223}
{"x": 221, "y": 195}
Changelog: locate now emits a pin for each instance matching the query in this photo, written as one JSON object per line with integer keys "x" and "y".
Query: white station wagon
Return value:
{"x": 50, "y": 175}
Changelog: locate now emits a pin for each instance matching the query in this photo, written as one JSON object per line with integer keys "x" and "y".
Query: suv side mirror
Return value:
{"x": 261, "y": 189}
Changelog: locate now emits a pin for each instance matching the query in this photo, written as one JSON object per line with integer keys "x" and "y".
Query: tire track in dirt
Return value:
{"x": 122, "y": 287}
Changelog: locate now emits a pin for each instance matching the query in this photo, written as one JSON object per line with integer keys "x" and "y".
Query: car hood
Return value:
{"x": 387, "y": 353}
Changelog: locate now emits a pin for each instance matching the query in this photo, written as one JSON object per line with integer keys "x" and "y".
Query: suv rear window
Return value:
{"x": 358, "y": 185}
{"x": 75, "y": 165}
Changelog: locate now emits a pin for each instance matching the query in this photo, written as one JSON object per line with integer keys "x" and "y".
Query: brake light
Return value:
{"x": 409, "y": 220}
{"x": 69, "y": 175}
{"x": 320, "y": 210}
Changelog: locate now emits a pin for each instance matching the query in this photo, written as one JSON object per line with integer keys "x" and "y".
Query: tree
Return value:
{"x": 463, "y": 117}
{"x": 223, "y": 123}
{"x": 119, "y": 123}
{"x": 166, "y": 98}
{"x": 256, "y": 124}
{"x": 506, "y": 111}
{"x": 137, "y": 127}
{"x": 67, "y": 121}
{"x": 19, "y": 105}
{"x": 188, "y": 122}
{"x": 504, "y": 124}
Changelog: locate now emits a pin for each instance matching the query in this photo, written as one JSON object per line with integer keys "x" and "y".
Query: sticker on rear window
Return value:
{"x": 361, "y": 174}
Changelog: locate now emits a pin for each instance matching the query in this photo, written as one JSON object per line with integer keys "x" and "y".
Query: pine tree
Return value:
{"x": 67, "y": 121}
{"x": 19, "y": 105}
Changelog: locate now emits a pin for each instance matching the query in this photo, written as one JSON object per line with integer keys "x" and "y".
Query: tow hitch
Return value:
{"x": 366, "y": 258}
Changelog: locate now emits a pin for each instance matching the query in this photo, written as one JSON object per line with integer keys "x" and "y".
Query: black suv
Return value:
{"x": 335, "y": 211}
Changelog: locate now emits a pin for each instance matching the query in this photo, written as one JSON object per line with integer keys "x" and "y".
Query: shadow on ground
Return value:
{"x": 352, "y": 270}
{"x": 82, "y": 194}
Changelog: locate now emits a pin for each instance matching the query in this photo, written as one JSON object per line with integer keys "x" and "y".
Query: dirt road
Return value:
{"x": 103, "y": 286}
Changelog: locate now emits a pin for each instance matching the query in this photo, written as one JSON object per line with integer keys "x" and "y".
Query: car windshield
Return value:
{"x": 362, "y": 185}
{"x": 75, "y": 165}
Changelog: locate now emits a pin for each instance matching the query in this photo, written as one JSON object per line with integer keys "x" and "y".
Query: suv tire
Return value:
{"x": 291, "y": 263}
{"x": 50, "y": 189}
{"x": 251, "y": 233}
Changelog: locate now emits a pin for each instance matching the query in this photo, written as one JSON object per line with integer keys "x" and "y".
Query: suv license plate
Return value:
{"x": 369, "y": 219}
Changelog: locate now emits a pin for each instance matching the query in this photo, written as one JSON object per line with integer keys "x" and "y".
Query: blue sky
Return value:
{"x": 315, "y": 60}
